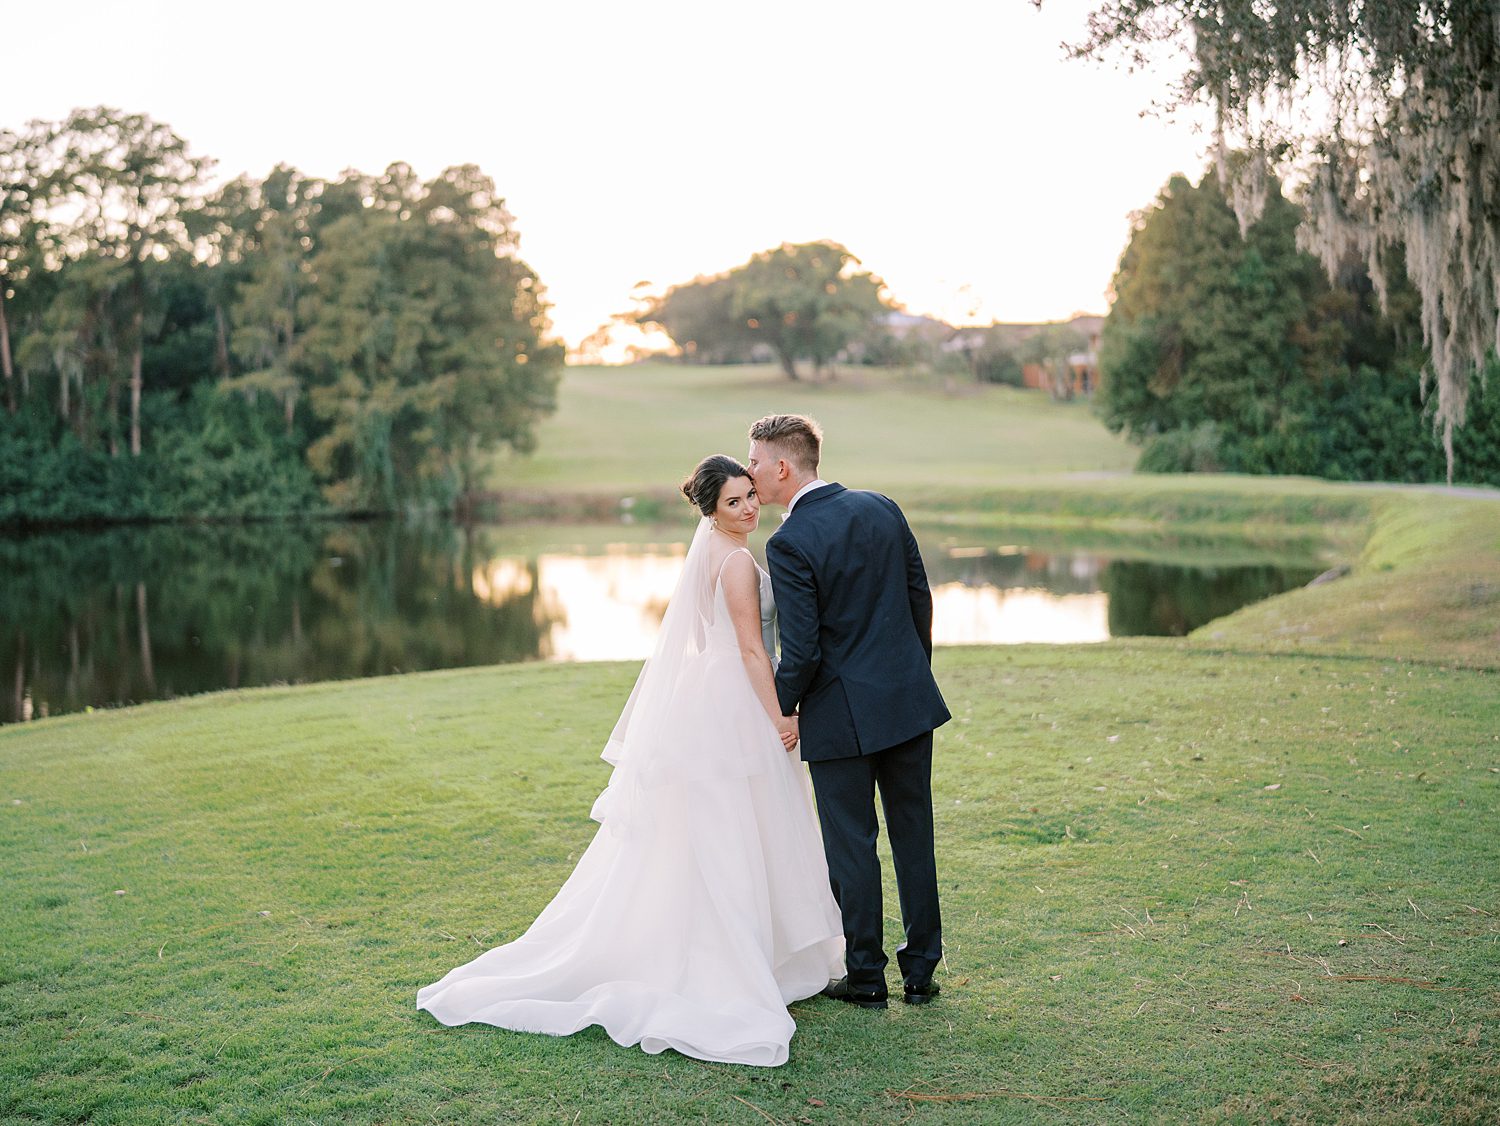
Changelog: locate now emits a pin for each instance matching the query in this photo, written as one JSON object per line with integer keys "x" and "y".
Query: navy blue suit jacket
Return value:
{"x": 855, "y": 618}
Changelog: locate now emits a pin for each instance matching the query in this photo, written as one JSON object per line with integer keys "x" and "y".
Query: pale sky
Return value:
{"x": 947, "y": 144}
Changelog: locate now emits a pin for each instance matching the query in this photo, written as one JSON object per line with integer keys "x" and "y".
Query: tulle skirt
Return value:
{"x": 701, "y": 908}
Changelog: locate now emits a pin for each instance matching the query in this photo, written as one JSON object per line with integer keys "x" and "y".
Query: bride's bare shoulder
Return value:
{"x": 735, "y": 565}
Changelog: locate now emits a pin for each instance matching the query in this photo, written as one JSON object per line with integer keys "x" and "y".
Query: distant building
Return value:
{"x": 967, "y": 340}
{"x": 901, "y": 325}
{"x": 1065, "y": 376}
{"x": 1082, "y": 367}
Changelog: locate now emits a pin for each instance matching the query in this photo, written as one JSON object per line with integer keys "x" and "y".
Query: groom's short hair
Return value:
{"x": 798, "y": 437}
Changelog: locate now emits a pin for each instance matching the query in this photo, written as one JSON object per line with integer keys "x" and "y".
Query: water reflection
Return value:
{"x": 1162, "y": 600}
{"x": 90, "y": 619}
{"x": 606, "y": 608}
{"x": 965, "y": 615}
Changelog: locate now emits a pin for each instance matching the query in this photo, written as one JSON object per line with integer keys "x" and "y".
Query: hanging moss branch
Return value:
{"x": 1387, "y": 114}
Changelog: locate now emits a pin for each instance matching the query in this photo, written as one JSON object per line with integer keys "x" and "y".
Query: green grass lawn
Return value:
{"x": 640, "y": 429}
{"x": 1247, "y": 877}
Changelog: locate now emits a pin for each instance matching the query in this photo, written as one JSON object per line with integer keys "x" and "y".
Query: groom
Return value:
{"x": 855, "y": 618}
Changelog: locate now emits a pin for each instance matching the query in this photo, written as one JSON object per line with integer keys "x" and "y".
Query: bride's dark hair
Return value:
{"x": 706, "y": 482}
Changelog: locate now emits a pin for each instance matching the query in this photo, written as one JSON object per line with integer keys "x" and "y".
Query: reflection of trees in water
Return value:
{"x": 1162, "y": 600}
{"x": 1055, "y": 573}
{"x": 127, "y": 614}
{"x": 124, "y": 614}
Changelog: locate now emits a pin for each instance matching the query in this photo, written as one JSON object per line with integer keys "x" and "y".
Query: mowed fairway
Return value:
{"x": 624, "y": 430}
{"x": 1179, "y": 886}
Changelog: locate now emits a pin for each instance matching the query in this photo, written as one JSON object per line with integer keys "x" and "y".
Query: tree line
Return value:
{"x": 171, "y": 347}
{"x": 1234, "y": 351}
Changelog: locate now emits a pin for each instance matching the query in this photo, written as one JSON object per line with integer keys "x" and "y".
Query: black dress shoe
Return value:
{"x": 841, "y": 990}
{"x": 920, "y": 994}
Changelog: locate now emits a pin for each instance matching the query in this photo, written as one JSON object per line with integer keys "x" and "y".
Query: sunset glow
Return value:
{"x": 950, "y": 146}
{"x": 966, "y": 615}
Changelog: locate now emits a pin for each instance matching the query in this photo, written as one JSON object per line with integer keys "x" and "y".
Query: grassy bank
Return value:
{"x": 1210, "y": 546}
{"x": 1426, "y": 584}
{"x": 1248, "y": 877}
{"x": 1295, "y": 517}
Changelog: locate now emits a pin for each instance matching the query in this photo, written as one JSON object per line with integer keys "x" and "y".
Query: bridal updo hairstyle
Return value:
{"x": 706, "y": 482}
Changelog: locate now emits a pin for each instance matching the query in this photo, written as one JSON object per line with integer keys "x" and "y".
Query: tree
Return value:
{"x": 803, "y": 302}
{"x": 1051, "y": 348}
{"x": 1231, "y": 353}
{"x": 701, "y": 318}
{"x": 127, "y": 179}
{"x": 19, "y": 241}
{"x": 222, "y": 230}
{"x": 806, "y": 301}
{"x": 1208, "y": 327}
{"x": 998, "y": 360}
{"x": 76, "y": 330}
{"x": 273, "y": 258}
{"x": 424, "y": 347}
{"x": 1404, "y": 162}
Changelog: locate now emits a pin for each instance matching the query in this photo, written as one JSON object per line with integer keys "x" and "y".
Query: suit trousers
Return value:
{"x": 845, "y": 790}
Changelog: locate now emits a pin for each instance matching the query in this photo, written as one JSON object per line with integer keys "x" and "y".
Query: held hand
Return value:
{"x": 787, "y": 727}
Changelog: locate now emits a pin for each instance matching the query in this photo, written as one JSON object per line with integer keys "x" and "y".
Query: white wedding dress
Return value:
{"x": 702, "y": 906}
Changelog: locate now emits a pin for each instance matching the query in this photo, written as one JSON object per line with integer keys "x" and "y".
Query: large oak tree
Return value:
{"x": 803, "y": 302}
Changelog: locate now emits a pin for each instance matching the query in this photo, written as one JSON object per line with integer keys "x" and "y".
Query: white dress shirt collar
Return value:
{"x": 816, "y": 483}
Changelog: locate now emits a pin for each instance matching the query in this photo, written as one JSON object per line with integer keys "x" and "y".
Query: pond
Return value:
{"x": 101, "y": 618}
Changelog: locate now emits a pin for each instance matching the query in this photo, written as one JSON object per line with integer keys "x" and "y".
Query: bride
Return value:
{"x": 702, "y": 907}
